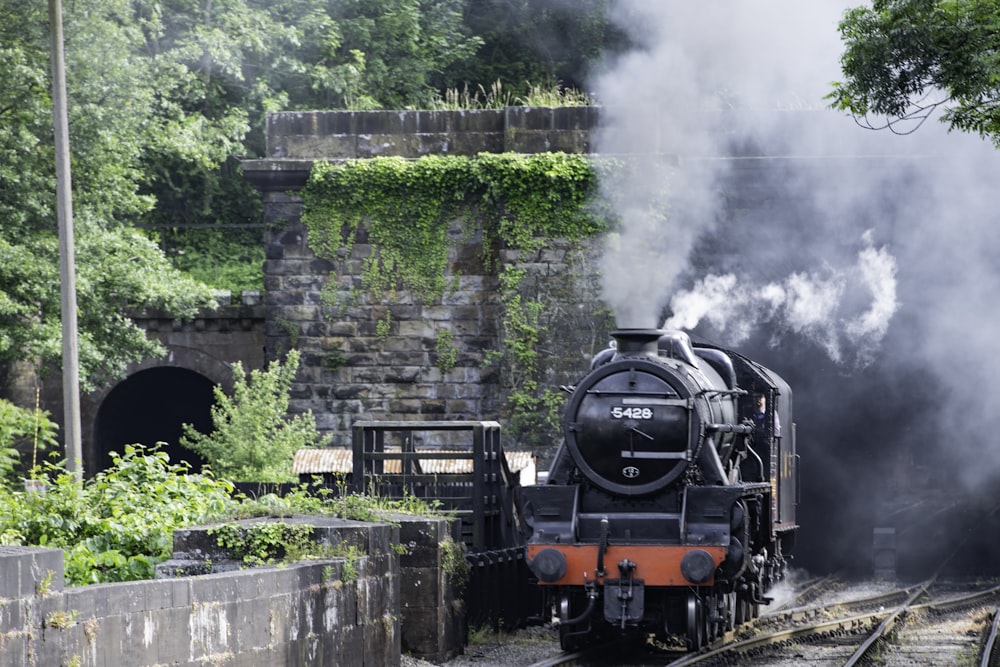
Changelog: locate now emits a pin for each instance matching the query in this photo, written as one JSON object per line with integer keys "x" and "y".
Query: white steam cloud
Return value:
{"x": 813, "y": 305}
{"x": 702, "y": 81}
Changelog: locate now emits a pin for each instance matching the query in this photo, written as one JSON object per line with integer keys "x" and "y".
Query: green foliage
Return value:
{"x": 447, "y": 353}
{"x": 322, "y": 502}
{"x": 534, "y": 199}
{"x": 21, "y": 429}
{"x": 164, "y": 97}
{"x": 455, "y": 99}
{"x": 230, "y": 259}
{"x": 496, "y": 97}
{"x": 254, "y": 439}
{"x": 406, "y": 207}
{"x": 531, "y": 409}
{"x": 383, "y": 327}
{"x": 453, "y": 562}
{"x": 61, "y": 619}
{"x": 120, "y": 269}
{"x": 534, "y": 40}
{"x": 118, "y": 525}
{"x": 112, "y": 119}
{"x": 220, "y": 67}
{"x": 905, "y": 58}
{"x": 555, "y": 95}
{"x": 403, "y": 43}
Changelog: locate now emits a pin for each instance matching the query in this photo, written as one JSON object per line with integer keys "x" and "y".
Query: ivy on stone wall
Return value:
{"x": 406, "y": 207}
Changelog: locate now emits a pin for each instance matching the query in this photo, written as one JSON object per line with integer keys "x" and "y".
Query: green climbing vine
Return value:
{"x": 406, "y": 208}
{"x": 447, "y": 353}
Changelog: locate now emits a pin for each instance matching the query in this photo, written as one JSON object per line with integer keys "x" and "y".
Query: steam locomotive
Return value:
{"x": 669, "y": 508}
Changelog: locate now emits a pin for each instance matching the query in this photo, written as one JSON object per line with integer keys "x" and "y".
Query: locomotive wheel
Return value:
{"x": 695, "y": 623}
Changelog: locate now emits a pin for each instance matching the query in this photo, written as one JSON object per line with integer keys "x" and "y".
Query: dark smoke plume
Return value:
{"x": 860, "y": 265}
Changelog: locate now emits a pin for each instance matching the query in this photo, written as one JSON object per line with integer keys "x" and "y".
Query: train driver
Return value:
{"x": 760, "y": 413}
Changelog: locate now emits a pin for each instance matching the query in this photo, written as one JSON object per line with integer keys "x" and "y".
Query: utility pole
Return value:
{"x": 67, "y": 265}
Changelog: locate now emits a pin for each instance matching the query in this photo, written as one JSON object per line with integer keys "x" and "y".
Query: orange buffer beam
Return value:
{"x": 655, "y": 565}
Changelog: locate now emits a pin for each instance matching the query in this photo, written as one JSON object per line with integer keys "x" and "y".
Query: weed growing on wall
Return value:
{"x": 447, "y": 353}
{"x": 267, "y": 542}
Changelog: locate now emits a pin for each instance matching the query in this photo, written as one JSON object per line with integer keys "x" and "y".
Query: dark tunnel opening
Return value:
{"x": 149, "y": 407}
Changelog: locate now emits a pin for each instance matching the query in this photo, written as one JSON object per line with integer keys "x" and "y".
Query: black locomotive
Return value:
{"x": 669, "y": 509}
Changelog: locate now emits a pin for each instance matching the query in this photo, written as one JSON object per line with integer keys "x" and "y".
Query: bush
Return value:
{"x": 255, "y": 439}
{"x": 118, "y": 525}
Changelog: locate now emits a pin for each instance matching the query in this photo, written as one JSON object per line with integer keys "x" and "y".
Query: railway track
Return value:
{"x": 932, "y": 623}
{"x": 925, "y": 624}
{"x": 899, "y": 628}
{"x": 606, "y": 653}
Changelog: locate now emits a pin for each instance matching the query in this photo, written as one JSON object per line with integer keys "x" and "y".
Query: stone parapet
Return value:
{"x": 306, "y": 613}
{"x": 336, "y": 611}
{"x": 296, "y": 139}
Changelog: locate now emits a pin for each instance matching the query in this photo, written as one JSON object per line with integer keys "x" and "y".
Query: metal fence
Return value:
{"x": 469, "y": 476}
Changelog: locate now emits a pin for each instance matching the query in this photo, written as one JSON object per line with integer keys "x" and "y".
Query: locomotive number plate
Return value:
{"x": 618, "y": 412}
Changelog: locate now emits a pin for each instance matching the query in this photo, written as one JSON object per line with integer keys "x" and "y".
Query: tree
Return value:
{"x": 905, "y": 59}
{"x": 404, "y": 44}
{"x": 220, "y": 66}
{"x": 254, "y": 439}
{"x": 534, "y": 42}
{"x": 112, "y": 105}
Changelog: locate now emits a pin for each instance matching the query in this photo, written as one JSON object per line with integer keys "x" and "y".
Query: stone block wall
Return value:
{"x": 351, "y": 370}
{"x": 294, "y": 615}
{"x": 338, "y": 135}
{"x": 367, "y": 359}
{"x": 321, "y": 612}
{"x": 430, "y": 597}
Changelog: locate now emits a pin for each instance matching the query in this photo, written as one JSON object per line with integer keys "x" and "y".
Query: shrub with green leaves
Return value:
{"x": 118, "y": 525}
{"x": 255, "y": 438}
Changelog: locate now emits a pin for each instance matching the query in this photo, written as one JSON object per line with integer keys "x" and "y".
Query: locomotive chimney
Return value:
{"x": 637, "y": 341}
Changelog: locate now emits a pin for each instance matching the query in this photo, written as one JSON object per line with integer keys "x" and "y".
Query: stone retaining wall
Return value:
{"x": 323, "y": 612}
